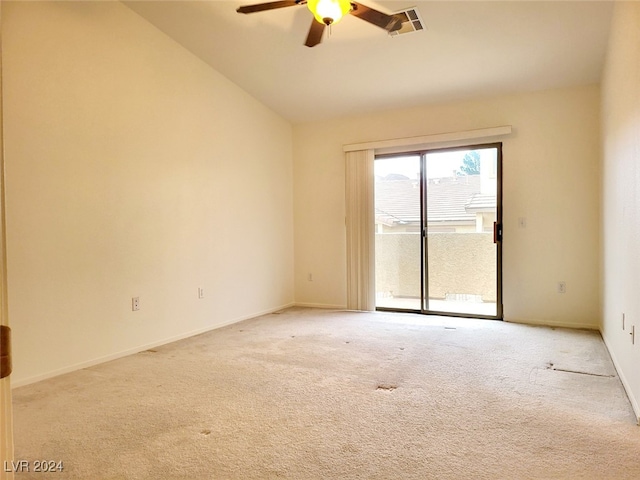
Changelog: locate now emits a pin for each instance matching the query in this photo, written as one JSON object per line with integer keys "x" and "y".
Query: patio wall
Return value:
{"x": 459, "y": 263}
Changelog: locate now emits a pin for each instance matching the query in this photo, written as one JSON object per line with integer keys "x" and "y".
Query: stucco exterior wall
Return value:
{"x": 463, "y": 264}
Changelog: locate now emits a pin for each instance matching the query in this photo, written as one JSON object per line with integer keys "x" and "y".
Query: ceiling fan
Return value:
{"x": 328, "y": 12}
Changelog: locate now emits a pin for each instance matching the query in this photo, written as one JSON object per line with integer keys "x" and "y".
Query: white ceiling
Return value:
{"x": 470, "y": 49}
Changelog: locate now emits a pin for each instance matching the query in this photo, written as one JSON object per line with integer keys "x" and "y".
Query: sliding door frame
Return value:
{"x": 498, "y": 230}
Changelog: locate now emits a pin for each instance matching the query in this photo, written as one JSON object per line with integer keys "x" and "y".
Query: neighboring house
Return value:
{"x": 454, "y": 204}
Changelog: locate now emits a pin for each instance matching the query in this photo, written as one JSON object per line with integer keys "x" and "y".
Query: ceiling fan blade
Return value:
{"x": 391, "y": 23}
{"x": 315, "y": 33}
{"x": 261, "y": 7}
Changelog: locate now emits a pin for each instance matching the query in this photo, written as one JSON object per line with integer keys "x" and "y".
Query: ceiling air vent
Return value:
{"x": 411, "y": 22}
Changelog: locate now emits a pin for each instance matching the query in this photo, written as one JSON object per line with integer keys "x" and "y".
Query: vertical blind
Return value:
{"x": 360, "y": 230}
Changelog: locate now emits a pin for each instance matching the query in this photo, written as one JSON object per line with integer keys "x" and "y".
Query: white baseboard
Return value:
{"x": 140, "y": 348}
{"x": 551, "y": 323}
{"x": 321, "y": 305}
{"x": 623, "y": 379}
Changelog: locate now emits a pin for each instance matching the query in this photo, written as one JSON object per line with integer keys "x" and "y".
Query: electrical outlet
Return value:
{"x": 562, "y": 287}
{"x": 135, "y": 304}
{"x": 200, "y": 292}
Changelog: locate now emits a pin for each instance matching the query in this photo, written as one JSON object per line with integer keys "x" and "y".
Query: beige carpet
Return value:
{"x": 310, "y": 394}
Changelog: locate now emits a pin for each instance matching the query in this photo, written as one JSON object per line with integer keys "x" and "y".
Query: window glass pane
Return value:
{"x": 398, "y": 239}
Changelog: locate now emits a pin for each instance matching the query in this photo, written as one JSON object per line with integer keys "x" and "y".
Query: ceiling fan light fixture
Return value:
{"x": 329, "y": 12}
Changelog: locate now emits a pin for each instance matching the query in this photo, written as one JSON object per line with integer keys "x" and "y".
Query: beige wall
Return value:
{"x": 551, "y": 177}
{"x": 621, "y": 195}
{"x": 133, "y": 169}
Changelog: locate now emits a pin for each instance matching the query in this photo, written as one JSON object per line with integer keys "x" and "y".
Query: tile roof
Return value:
{"x": 397, "y": 201}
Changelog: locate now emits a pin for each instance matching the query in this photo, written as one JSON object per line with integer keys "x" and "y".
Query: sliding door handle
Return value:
{"x": 497, "y": 232}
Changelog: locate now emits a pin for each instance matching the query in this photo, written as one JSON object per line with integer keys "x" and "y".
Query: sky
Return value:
{"x": 439, "y": 164}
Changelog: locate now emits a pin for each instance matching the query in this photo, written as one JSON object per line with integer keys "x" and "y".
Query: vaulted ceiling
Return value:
{"x": 468, "y": 50}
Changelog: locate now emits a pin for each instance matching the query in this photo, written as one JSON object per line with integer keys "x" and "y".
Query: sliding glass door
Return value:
{"x": 438, "y": 231}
